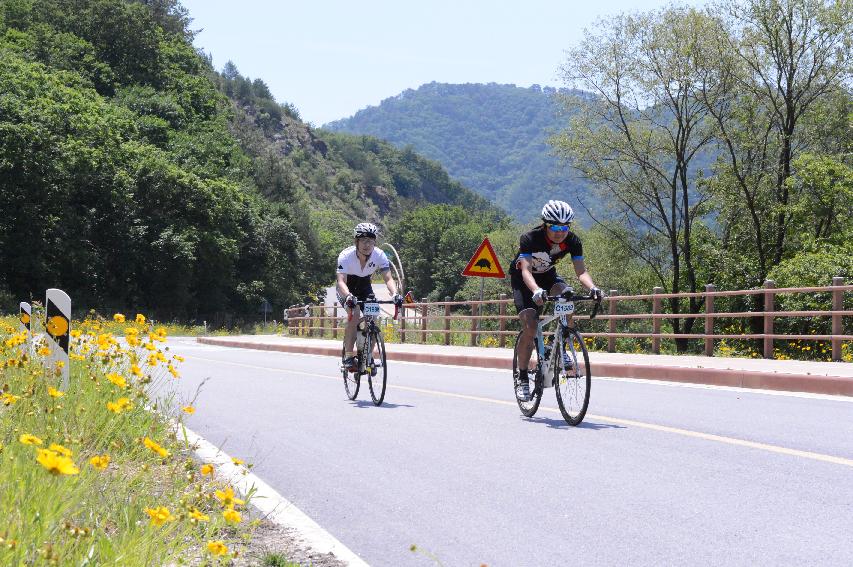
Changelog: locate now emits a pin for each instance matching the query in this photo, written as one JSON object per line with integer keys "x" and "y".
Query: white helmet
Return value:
{"x": 557, "y": 212}
{"x": 367, "y": 229}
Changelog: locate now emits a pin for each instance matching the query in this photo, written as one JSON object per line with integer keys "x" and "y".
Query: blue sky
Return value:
{"x": 331, "y": 58}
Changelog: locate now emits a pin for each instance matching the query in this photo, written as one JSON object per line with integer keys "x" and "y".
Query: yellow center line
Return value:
{"x": 614, "y": 420}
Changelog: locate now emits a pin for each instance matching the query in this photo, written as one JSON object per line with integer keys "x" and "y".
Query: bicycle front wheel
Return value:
{"x": 352, "y": 380}
{"x": 377, "y": 371}
{"x": 572, "y": 382}
{"x": 527, "y": 407}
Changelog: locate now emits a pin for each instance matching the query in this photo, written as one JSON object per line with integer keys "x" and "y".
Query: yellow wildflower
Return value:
{"x": 179, "y": 358}
{"x": 188, "y": 409}
{"x": 172, "y": 371}
{"x": 76, "y": 333}
{"x": 140, "y": 319}
{"x": 206, "y": 469}
{"x": 237, "y": 461}
{"x": 217, "y": 547}
{"x": 43, "y": 351}
{"x": 135, "y": 370}
{"x": 54, "y": 393}
{"x": 118, "y": 318}
{"x": 150, "y": 346}
{"x": 232, "y": 516}
{"x": 197, "y": 516}
{"x": 9, "y": 399}
{"x": 59, "y": 449}
{"x": 56, "y": 464}
{"x": 28, "y": 439}
{"x": 227, "y": 497}
{"x": 100, "y": 462}
{"x": 133, "y": 340}
{"x": 159, "y": 515}
{"x": 161, "y": 331}
{"x": 131, "y": 331}
{"x": 156, "y": 448}
{"x": 119, "y": 405}
{"x": 117, "y": 379}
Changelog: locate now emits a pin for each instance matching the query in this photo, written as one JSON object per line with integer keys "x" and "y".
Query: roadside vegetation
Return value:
{"x": 97, "y": 472}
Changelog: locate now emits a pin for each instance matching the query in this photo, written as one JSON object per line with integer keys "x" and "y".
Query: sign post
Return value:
{"x": 57, "y": 312}
{"x": 25, "y": 317}
{"x": 484, "y": 264}
{"x": 265, "y": 308}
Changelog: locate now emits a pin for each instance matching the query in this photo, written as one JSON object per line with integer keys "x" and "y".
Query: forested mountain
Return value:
{"x": 491, "y": 137}
{"x": 134, "y": 176}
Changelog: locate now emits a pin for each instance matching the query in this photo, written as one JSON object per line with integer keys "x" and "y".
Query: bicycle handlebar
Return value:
{"x": 571, "y": 296}
{"x": 361, "y": 303}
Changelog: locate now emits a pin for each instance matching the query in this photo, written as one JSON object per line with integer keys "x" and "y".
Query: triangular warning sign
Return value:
{"x": 484, "y": 263}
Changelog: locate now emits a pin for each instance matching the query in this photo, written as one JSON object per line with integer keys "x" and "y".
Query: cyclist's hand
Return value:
{"x": 397, "y": 299}
{"x": 350, "y": 302}
{"x": 539, "y": 296}
{"x": 596, "y": 293}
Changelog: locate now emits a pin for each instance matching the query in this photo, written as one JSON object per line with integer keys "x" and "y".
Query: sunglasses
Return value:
{"x": 558, "y": 227}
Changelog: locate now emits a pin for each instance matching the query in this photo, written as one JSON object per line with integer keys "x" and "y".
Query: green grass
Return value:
{"x": 76, "y": 514}
{"x": 277, "y": 560}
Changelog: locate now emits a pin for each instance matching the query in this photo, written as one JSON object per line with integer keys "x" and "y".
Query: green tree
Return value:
{"x": 639, "y": 139}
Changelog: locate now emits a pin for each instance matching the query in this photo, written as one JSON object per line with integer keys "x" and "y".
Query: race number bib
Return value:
{"x": 371, "y": 309}
{"x": 564, "y": 308}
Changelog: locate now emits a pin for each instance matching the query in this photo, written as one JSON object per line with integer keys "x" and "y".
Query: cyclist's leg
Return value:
{"x": 558, "y": 287}
{"x": 529, "y": 317}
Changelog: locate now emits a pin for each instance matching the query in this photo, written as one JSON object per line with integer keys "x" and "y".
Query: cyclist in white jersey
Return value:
{"x": 356, "y": 265}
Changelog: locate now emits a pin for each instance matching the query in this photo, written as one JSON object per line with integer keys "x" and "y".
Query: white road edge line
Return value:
{"x": 276, "y": 507}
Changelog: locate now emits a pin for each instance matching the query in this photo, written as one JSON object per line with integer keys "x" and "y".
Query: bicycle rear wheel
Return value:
{"x": 529, "y": 407}
{"x": 377, "y": 371}
{"x": 572, "y": 383}
{"x": 352, "y": 380}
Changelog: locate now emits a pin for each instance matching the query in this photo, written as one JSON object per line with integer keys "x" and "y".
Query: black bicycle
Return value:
{"x": 370, "y": 352}
{"x": 557, "y": 361}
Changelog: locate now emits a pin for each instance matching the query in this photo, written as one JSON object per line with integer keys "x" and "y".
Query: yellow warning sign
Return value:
{"x": 484, "y": 263}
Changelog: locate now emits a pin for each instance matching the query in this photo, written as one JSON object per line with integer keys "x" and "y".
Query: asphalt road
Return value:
{"x": 657, "y": 474}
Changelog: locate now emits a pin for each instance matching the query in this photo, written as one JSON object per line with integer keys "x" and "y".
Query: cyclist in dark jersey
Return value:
{"x": 533, "y": 276}
{"x": 356, "y": 265}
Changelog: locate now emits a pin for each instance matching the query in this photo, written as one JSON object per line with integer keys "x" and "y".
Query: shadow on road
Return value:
{"x": 560, "y": 423}
{"x": 367, "y": 404}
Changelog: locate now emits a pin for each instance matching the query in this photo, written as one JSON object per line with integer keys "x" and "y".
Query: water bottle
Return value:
{"x": 359, "y": 338}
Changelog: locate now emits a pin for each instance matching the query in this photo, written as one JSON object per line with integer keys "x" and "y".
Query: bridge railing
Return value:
{"x": 760, "y": 317}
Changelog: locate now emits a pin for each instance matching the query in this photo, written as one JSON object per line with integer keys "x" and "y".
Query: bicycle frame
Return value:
{"x": 566, "y": 322}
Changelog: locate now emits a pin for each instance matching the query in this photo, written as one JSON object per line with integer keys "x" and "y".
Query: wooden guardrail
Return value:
{"x": 420, "y": 322}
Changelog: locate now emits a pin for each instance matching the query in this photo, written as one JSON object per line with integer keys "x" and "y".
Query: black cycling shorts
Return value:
{"x": 358, "y": 286}
{"x": 523, "y": 297}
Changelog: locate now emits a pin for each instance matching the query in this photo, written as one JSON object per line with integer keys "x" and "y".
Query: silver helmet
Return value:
{"x": 367, "y": 229}
{"x": 557, "y": 212}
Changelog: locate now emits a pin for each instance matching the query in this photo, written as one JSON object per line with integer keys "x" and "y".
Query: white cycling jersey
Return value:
{"x": 349, "y": 264}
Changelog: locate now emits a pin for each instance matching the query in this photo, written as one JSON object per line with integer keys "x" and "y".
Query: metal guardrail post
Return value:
{"x": 403, "y": 324}
{"x": 611, "y": 324}
{"x": 837, "y": 327}
{"x": 335, "y": 320}
{"x": 502, "y": 323}
{"x": 474, "y": 311}
{"x": 709, "y": 321}
{"x": 447, "y": 321}
{"x": 769, "y": 305}
{"x": 424, "y": 315}
{"x": 656, "y": 305}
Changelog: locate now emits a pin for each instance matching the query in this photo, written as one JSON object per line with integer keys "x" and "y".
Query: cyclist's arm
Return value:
{"x": 527, "y": 274}
{"x": 582, "y": 274}
{"x": 389, "y": 281}
{"x": 341, "y": 284}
